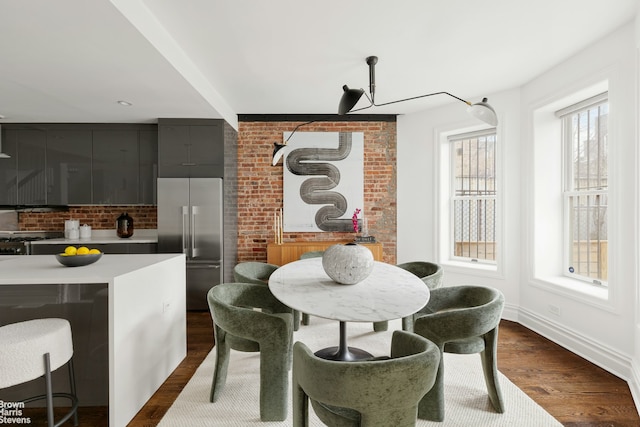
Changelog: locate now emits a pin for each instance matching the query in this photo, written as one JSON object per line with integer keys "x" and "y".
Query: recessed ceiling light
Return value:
{"x": 125, "y": 103}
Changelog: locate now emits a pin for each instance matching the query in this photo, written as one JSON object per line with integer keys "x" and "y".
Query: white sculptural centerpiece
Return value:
{"x": 347, "y": 264}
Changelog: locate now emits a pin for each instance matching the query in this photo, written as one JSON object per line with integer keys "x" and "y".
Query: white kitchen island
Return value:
{"x": 144, "y": 305}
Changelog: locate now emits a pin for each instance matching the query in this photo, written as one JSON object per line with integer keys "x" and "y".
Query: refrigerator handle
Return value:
{"x": 185, "y": 213}
{"x": 194, "y": 250}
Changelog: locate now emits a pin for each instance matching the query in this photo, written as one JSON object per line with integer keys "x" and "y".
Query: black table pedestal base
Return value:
{"x": 348, "y": 354}
{"x": 343, "y": 352}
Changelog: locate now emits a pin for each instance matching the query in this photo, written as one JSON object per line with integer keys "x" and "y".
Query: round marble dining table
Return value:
{"x": 388, "y": 293}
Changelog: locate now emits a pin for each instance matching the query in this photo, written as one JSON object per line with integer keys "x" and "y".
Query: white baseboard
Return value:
{"x": 617, "y": 363}
{"x": 634, "y": 382}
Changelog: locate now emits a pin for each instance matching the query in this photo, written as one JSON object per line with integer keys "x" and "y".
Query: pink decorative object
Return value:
{"x": 354, "y": 220}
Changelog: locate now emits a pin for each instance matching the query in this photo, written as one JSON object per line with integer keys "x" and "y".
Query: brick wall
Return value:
{"x": 98, "y": 217}
{"x": 260, "y": 185}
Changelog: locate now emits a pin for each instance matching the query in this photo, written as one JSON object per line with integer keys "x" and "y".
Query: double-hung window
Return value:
{"x": 585, "y": 194}
{"x": 474, "y": 197}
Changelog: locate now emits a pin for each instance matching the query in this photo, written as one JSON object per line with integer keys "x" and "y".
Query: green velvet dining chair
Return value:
{"x": 247, "y": 317}
{"x": 431, "y": 274}
{"x": 253, "y": 272}
{"x": 258, "y": 273}
{"x": 312, "y": 254}
{"x": 307, "y": 255}
{"x": 380, "y": 392}
{"x": 463, "y": 320}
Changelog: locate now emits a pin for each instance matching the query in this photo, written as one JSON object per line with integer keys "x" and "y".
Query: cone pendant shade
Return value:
{"x": 349, "y": 99}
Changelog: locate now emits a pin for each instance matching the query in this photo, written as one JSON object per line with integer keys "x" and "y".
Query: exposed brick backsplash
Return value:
{"x": 98, "y": 217}
{"x": 260, "y": 185}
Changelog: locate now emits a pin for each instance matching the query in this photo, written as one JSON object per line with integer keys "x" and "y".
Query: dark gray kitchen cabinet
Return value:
{"x": 148, "y": 167}
{"x": 125, "y": 166}
{"x": 8, "y": 179}
{"x": 23, "y": 175}
{"x": 190, "y": 148}
{"x": 81, "y": 163}
{"x": 69, "y": 166}
{"x": 115, "y": 166}
{"x": 30, "y": 166}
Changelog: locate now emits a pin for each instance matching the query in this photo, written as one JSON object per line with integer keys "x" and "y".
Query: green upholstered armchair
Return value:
{"x": 462, "y": 320}
{"x": 307, "y": 255}
{"x": 253, "y": 272}
{"x": 258, "y": 273}
{"x": 431, "y": 275}
{"x": 312, "y": 254}
{"x": 381, "y": 392}
{"x": 268, "y": 331}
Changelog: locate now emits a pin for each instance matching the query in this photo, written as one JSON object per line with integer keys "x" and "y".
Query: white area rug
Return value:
{"x": 467, "y": 403}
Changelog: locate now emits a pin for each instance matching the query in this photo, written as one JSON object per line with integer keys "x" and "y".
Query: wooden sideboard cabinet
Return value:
{"x": 291, "y": 251}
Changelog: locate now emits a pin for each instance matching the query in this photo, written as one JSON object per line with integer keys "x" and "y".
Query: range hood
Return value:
{"x": 2, "y": 155}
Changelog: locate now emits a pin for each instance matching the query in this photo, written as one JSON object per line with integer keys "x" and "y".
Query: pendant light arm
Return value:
{"x": 422, "y": 96}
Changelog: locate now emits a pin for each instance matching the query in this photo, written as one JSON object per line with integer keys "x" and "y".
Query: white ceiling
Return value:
{"x": 72, "y": 60}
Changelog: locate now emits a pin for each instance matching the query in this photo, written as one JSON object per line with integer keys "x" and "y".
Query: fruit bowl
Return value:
{"x": 77, "y": 260}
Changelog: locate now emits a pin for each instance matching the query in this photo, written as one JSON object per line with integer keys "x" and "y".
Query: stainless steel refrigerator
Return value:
{"x": 190, "y": 222}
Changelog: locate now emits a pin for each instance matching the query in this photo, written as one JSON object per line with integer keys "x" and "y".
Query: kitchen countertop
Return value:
{"x": 45, "y": 269}
{"x": 105, "y": 237}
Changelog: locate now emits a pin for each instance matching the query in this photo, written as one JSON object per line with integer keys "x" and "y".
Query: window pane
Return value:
{"x": 474, "y": 199}
{"x": 475, "y": 167}
{"x": 588, "y": 236}
{"x": 474, "y": 228}
{"x": 586, "y": 193}
{"x": 590, "y": 148}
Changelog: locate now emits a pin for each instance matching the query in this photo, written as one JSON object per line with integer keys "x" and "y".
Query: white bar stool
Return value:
{"x": 35, "y": 348}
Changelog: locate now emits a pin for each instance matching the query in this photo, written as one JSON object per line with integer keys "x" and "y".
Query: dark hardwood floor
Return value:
{"x": 576, "y": 392}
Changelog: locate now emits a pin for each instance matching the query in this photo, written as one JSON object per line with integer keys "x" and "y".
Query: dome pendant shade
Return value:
{"x": 483, "y": 111}
{"x": 349, "y": 99}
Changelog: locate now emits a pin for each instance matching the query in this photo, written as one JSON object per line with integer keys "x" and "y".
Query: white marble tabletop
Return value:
{"x": 388, "y": 293}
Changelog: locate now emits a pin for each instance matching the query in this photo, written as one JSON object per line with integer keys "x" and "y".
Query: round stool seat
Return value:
{"x": 23, "y": 344}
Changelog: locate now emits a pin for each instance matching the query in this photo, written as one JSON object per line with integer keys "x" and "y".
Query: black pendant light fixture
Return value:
{"x": 350, "y": 98}
{"x": 277, "y": 147}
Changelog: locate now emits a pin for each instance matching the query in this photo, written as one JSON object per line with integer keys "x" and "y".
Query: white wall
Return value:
{"x": 601, "y": 330}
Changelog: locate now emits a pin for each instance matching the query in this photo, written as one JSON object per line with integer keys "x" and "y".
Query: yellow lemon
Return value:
{"x": 82, "y": 250}
{"x": 70, "y": 250}
{"x": 94, "y": 251}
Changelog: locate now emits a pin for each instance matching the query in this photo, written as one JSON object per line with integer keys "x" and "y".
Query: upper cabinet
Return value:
{"x": 60, "y": 164}
{"x": 68, "y": 166}
{"x": 124, "y": 166}
{"x": 190, "y": 148}
{"x": 22, "y": 175}
{"x": 148, "y": 166}
{"x": 8, "y": 181}
{"x": 115, "y": 166}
